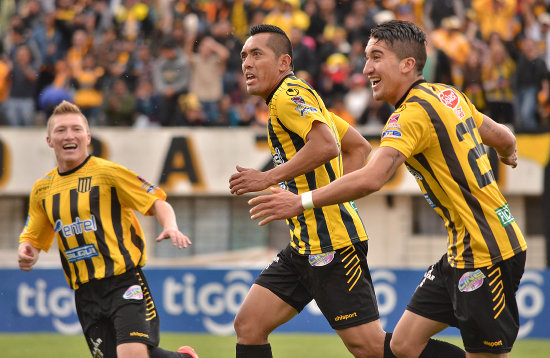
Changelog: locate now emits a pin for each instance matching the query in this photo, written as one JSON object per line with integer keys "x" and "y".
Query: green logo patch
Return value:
{"x": 504, "y": 215}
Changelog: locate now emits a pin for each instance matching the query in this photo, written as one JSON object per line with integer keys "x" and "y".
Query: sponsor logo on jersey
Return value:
{"x": 133, "y": 293}
{"x": 81, "y": 253}
{"x": 84, "y": 184}
{"x": 471, "y": 281}
{"x": 321, "y": 259}
{"x": 393, "y": 122}
{"x": 449, "y": 98}
{"x": 459, "y": 112}
{"x": 292, "y": 92}
{"x": 148, "y": 187}
{"x": 414, "y": 172}
{"x": 391, "y": 133}
{"x": 432, "y": 204}
{"x": 301, "y": 106}
{"x": 504, "y": 215}
{"x": 75, "y": 228}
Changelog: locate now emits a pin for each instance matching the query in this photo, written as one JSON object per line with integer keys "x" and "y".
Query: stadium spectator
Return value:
{"x": 304, "y": 146}
{"x": 498, "y": 70}
{"x": 496, "y": 16}
{"x": 472, "y": 84}
{"x": 56, "y": 92}
{"x": 120, "y": 105}
{"x": 147, "y": 103}
{"x": 434, "y": 132}
{"x": 358, "y": 98}
{"x": 530, "y": 78}
{"x": 171, "y": 77}
{"x": 87, "y": 80}
{"x": 208, "y": 65}
{"x": 434, "y": 11}
{"x": 20, "y": 105}
{"x": 102, "y": 264}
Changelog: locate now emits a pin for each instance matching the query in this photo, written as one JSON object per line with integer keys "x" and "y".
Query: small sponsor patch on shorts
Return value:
{"x": 133, "y": 293}
{"x": 321, "y": 259}
{"x": 471, "y": 281}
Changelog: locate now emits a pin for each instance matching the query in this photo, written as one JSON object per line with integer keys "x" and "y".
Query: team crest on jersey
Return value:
{"x": 302, "y": 107}
{"x": 133, "y": 293}
{"x": 292, "y": 92}
{"x": 84, "y": 184}
{"x": 471, "y": 281}
{"x": 149, "y": 188}
{"x": 449, "y": 98}
{"x": 321, "y": 259}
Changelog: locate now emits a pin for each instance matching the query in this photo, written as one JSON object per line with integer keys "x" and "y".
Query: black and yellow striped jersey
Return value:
{"x": 90, "y": 211}
{"x": 293, "y": 107}
{"x": 436, "y": 127}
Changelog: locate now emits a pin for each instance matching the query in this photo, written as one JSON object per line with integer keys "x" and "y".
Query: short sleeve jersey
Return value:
{"x": 436, "y": 128}
{"x": 90, "y": 211}
{"x": 293, "y": 107}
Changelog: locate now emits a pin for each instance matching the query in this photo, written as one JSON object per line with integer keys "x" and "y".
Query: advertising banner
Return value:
{"x": 202, "y": 300}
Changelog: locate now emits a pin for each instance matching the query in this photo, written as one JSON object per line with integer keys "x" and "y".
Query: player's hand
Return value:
{"x": 27, "y": 255}
{"x": 248, "y": 180}
{"x": 282, "y": 204}
{"x": 178, "y": 239}
{"x": 511, "y": 160}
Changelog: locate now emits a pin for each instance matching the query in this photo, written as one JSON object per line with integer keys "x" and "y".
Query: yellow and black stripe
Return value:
{"x": 90, "y": 211}
{"x": 293, "y": 107}
{"x": 436, "y": 127}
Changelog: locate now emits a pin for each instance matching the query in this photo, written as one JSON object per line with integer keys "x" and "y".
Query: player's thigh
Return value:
{"x": 261, "y": 312}
{"x": 132, "y": 350}
{"x": 414, "y": 330}
{"x": 101, "y": 339}
{"x": 341, "y": 284}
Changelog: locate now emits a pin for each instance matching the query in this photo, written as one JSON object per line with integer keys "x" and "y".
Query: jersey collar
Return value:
{"x": 398, "y": 104}
{"x": 268, "y": 99}
{"x": 75, "y": 168}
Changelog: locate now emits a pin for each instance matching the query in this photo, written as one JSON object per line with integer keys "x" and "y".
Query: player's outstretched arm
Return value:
{"x": 501, "y": 138}
{"x": 164, "y": 213}
{"x": 320, "y": 147}
{"x": 283, "y": 204}
{"x": 27, "y": 255}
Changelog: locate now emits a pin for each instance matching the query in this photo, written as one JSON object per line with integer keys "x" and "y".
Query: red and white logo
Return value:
{"x": 449, "y": 98}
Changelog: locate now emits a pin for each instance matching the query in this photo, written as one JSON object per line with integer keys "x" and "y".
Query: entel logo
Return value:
{"x": 75, "y": 228}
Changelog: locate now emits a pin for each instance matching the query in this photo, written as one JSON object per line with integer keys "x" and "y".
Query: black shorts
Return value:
{"x": 115, "y": 310}
{"x": 480, "y": 302}
{"x": 339, "y": 281}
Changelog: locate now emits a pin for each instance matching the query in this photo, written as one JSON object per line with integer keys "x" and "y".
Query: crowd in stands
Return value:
{"x": 177, "y": 62}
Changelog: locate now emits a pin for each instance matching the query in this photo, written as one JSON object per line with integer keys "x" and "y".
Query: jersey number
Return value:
{"x": 475, "y": 153}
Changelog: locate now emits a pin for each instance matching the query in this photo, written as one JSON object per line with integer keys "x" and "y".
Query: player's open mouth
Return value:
{"x": 69, "y": 146}
{"x": 249, "y": 77}
{"x": 374, "y": 81}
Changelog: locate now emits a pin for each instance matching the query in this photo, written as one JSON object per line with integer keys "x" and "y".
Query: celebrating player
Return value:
{"x": 326, "y": 259}
{"x": 88, "y": 203}
{"x": 440, "y": 136}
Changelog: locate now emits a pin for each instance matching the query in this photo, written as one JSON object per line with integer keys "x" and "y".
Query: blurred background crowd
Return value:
{"x": 149, "y": 63}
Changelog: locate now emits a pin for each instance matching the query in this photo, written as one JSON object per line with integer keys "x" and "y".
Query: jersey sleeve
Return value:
{"x": 38, "y": 229}
{"x": 341, "y": 125}
{"x": 407, "y": 131}
{"x": 298, "y": 112}
{"x": 134, "y": 191}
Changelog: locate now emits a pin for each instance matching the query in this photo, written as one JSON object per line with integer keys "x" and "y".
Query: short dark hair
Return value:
{"x": 405, "y": 39}
{"x": 279, "y": 41}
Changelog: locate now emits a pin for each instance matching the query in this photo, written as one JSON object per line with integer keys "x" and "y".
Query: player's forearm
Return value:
{"x": 164, "y": 213}
{"x": 306, "y": 160}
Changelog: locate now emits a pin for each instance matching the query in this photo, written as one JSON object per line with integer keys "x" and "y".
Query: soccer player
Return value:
{"x": 440, "y": 136}
{"x": 326, "y": 259}
{"x": 87, "y": 203}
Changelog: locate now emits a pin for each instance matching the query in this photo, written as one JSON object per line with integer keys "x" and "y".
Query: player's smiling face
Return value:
{"x": 383, "y": 69}
{"x": 69, "y": 137}
{"x": 261, "y": 68}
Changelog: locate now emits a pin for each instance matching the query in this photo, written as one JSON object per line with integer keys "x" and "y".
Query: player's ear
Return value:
{"x": 49, "y": 141}
{"x": 284, "y": 62}
{"x": 407, "y": 65}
